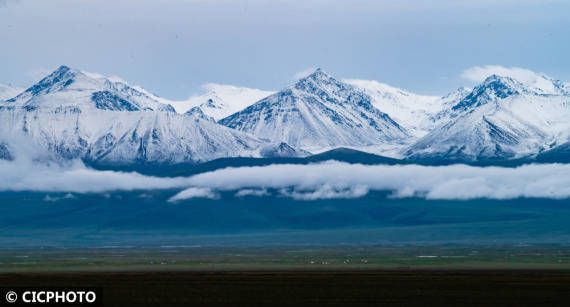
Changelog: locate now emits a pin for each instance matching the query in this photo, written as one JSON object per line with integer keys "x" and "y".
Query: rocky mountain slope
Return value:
{"x": 73, "y": 114}
{"x": 319, "y": 112}
{"x": 500, "y": 119}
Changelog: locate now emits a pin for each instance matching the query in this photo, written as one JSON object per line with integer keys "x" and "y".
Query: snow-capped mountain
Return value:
{"x": 71, "y": 87}
{"x": 197, "y": 112}
{"x": 447, "y": 103}
{"x": 319, "y": 112}
{"x": 73, "y": 114}
{"x": 414, "y": 112}
{"x": 544, "y": 85}
{"x": 221, "y": 100}
{"x": 8, "y": 91}
{"x": 500, "y": 119}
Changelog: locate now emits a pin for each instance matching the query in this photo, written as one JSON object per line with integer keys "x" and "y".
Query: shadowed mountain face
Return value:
{"x": 318, "y": 111}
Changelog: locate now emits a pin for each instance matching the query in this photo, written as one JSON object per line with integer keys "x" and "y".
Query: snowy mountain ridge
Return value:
{"x": 319, "y": 112}
{"x": 76, "y": 115}
{"x": 414, "y": 112}
{"x": 71, "y": 87}
{"x": 500, "y": 119}
{"x": 220, "y": 100}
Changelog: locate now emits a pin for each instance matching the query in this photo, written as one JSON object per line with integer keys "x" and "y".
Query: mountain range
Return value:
{"x": 500, "y": 119}
{"x": 72, "y": 114}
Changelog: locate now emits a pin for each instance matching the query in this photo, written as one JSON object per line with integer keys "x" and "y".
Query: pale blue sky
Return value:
{"x": 172, "y": 47}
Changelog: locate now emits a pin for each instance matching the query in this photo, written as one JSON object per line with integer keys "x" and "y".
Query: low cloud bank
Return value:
{"x": 194, "y": 193}
{"x": 305, "y": 182}
{"x": 326, "y": 191}
{"x": 75, "y": 177}
{"x": 252, "y": 192}
{"x": 342, "y": 180}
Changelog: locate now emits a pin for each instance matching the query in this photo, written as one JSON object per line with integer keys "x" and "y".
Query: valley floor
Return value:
{"x": 303, "y": 258}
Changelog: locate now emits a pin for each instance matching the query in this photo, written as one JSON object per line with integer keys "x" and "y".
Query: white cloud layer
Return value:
{"x": 252, "y": 192}
{"x": 327, "y": 191}
{"x": 194, "y": 193}
{"x": 24, "y": 176}
{"x": 480, "y": 73}
{"x": 306, "y": 182}
{"x": 342, "y": 180}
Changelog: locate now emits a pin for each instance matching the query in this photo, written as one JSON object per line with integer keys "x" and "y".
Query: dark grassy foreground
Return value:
{"x": 317, "y": 288}
{"x": 342, "y": 276}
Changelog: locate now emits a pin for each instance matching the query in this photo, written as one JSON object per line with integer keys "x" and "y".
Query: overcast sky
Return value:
{"x": 172, "y": 47}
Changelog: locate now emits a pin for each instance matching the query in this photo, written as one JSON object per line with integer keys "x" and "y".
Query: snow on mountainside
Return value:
{"x": 544, "y": 85}
{"x": 414, "y": 112}
{"x": 8, "y": 91}
{"x": 448, "y": 102}
{"x": 118, "y": 137}
{"x": 221, "y": 100}
{"x": 319, "y": 112}
{"x": 71, "y": 87}
{"x": 76, "y": 114}
{"x": 72, "y": 114}
{"x": 501, "y": 118}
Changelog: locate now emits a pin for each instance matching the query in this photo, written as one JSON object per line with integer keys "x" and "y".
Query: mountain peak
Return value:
{"x": 319, "y": 81}
{"x": 318, "y": 111}
{"x": 63, "y": 75}
{"x": 197, "y": 112}
{"x": 497, "y": 79}
{"x": 319, "y": 70}
{"x": 493, "y": 88}
{"x": 63, "y": 68}
{"x": 318, "y": 74}
{"x": 66, "y": 86}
